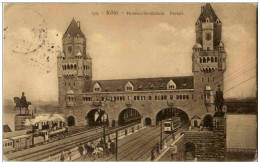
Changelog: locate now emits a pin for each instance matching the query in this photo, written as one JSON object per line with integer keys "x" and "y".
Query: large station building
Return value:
{"x": 85, "y": 101}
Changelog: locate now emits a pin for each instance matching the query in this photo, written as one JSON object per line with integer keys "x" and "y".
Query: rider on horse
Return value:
{"x": 24, "y": 101}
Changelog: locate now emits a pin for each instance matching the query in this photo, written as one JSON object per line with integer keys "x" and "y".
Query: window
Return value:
{"x": 171, "y": 97}
{"x": 165, "y": 97}
{"x": 155, "y": 97}
{"x": 134, "y": 97}
{"x": 202, "y": 79}
{"x": 150, "y": 97}
{"x": 187, "y": 96}
{"x": 200, "y": 60}
{"x": 216, "y": 59}
{"x": 184, "y": 97}
{"x": 69, "y": 49}
{"x": 97, "y": 89}
{"x": 180, "y": 97}
{"x": 137, "y": 97}
{"x": 129, "y": 88}
{"x": 177, "y": 97}
{"x": 208, "y": 36}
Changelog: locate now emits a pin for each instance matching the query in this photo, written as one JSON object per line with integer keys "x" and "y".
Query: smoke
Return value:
{"x": 44, "y": 118}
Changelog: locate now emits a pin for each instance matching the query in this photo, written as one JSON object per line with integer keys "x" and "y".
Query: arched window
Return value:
{"x": 75, "y": 67}
{"x": 216, "y": 59}
{"x": 71, "y": 67}
{"x": 204, "y": 60}
{"x": 208, "y": 59}
{"x": 212, "y": 59}
{"x": 200, "y": 60}
{"x": 207, "y": 19}
{"x": 68, "y": 67}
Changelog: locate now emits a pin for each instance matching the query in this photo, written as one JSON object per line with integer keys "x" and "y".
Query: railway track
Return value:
{"x": 140, "y": 151}
{"x": 67, "y": 144}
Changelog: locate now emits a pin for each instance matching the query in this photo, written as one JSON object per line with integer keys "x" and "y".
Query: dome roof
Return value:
{"x": 221, "y": 44}
{"x": 59, "y": 55}
{"x": 62, "y": 54}
{"x": 79, "y": 54}
{"x": 70, "y": 92}
{"x": 197, "y": 45}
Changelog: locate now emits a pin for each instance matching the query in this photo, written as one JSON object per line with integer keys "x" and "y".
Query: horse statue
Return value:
{"x": 20, "y": 105}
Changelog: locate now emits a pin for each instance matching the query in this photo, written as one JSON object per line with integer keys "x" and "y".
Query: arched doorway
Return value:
{"x": 208, "y": 121}
{"x": 71, "y": 121}
{"x": 168, "y": 113}
{"x": 97, "y": 117}
{"x": 148, "y": 121}
{"x": 113, "y": 123}
{"x": 195, "y": 123}
{"x": 128, "y": 116}
{"x": 189, "y": 151}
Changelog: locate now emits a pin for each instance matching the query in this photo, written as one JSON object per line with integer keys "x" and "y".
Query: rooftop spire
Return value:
{"x": 74, "y": 29}
{"x": 207, "y": 12}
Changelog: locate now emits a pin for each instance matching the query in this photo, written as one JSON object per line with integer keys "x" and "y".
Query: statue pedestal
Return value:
{"x": 19, "y": 121}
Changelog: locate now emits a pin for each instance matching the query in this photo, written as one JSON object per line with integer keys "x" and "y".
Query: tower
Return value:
{"x": 209, "y": 57}
{"x": 74, "y": 65}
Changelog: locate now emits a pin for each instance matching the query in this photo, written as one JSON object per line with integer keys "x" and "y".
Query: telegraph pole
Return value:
{"x": 161, "y": 136}
{"x": 104, "y": 134}
{"x": 116, "y": 144}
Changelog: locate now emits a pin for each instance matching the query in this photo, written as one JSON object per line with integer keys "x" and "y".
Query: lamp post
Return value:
{"x": 104, "y": 134}
{"x": 161, "y": 136}
{"x": 116, "y": 144}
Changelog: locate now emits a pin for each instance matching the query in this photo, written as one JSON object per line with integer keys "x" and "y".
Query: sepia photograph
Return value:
{"x": 129, "y": 81}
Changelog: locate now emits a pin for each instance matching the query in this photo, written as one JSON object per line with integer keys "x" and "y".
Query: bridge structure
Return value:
{"x": 85, "y": 101}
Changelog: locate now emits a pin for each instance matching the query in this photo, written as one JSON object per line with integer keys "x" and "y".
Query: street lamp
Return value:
{"x": 161, "y": 135}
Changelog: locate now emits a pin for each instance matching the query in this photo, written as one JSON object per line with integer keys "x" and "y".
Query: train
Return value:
{"x": 35, "y": 134}
{"x": 172, "y": 125}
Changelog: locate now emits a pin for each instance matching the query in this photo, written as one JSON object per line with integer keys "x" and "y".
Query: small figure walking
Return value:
{"x": 152, "y": 155}
{"x": 158, "y": 149}
{"x": 80, "y": 149}
{"x": 62, "y": 157}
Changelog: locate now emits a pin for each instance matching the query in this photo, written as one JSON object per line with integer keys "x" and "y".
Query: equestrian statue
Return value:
{"x": 22, "y": 103}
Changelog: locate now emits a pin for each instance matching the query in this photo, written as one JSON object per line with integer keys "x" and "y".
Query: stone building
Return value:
{"x": 85, "y": 101}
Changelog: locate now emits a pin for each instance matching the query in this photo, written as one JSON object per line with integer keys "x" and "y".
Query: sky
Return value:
{"x": 122, "y": 46}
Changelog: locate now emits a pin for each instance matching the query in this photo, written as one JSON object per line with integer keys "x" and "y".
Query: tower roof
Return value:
{"x": 79, "y": 54}
{"x": 208, "y": 12}
{"x": 197, "y": 45}
{"x": 74, "y": 29}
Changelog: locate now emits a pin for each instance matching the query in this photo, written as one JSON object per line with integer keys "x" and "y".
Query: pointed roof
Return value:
{"x": 79, "y": 54}
{"x": 195, "y": 117}
{"x": 74, "y": 29}
{"x": 207, "y": 11}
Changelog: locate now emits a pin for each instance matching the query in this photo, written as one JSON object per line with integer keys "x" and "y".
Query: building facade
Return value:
{"x": 84, "y": 101}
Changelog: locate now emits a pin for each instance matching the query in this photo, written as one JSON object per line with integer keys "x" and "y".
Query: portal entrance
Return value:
{"x": 71, "y": 121}
{"x": 97, "y": 117}
{"x": 168, "y": 113}
{"x": 148, "y": 121}
{"x": 128, "y": 116}
{"x": 189, "y": 151}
